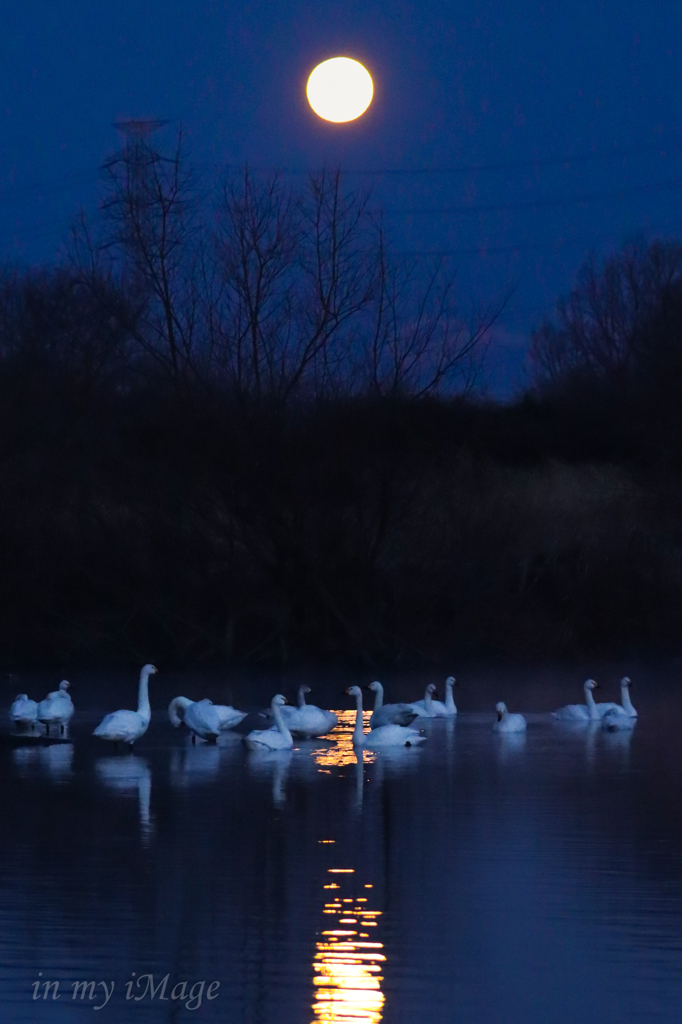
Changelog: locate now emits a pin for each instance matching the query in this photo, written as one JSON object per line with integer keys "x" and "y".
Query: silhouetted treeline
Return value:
{"x": 248, "y": 435}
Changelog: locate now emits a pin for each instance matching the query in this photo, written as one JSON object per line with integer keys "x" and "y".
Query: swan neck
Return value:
{"x": 589, "y": 700}
{"x": 427, "y": 699}
{"x": 301, "y": 697}
{"x": 143, "y": 707}
{"x": 449, "y": 699}
{"x": 358, "y": 731}
{"x": 378, "y": 700}
{"x": 176, "y": 705}
{"x": 625, "y": 700}
{"x": 279, "y": 722}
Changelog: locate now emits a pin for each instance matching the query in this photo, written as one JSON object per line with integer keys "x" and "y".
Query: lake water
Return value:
{"x": 477, "y": 878}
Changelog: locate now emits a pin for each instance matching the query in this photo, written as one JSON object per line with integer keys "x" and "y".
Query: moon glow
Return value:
{"x": 340, "y": 89}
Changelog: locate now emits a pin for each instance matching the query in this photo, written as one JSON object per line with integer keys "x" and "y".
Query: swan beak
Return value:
{"x": 499, "y": 716}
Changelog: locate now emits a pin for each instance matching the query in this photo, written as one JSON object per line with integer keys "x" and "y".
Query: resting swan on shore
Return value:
{"x": 56, "y": 708}
{"x": 24, "y": 711}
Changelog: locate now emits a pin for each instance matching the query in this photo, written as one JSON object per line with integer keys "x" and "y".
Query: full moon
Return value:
{"x": 340, "y": 89}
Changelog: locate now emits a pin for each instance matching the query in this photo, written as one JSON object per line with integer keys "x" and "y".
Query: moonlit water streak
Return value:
{"x": 342, "y": 752}
{"x": 516, "y": 885}
{"x": 348, "y": 959}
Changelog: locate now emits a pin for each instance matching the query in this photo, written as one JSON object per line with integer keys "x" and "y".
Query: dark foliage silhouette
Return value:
{"x": 236, "y": 429}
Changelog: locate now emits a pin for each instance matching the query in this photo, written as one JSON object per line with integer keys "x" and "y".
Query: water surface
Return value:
{"x": 475, "y": 878}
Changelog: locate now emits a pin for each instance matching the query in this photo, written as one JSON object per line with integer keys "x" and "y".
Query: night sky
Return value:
{"x": 526, "y": 133}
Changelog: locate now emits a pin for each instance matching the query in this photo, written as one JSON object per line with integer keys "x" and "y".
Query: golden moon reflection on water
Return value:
{"x": 349, "y": 958}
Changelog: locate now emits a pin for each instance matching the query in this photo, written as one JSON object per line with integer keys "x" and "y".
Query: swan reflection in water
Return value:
{"x": 194, "y": 764}
{"x": 585, "y": 733}
{"x": 273, "y": 764}
{"x": 55, "y": 760}
{"x": 617, "y": 745}
{"x": 128, "y": 776}
{"x": 359, "y": 780}
{"x": 450, "y": 743}
{"x": 509, "y": 745}
{"x": 348, "y": 956}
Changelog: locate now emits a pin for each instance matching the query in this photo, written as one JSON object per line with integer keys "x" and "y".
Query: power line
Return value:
{"x": 19, "y": 192}
{"x": 483, "y": 249}
{"x": 59, "y": 184}
{"x": 532, "y": 204}
{"x": 611, "y": 154}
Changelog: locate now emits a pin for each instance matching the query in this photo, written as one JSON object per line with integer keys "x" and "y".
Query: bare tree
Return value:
{"x": 154, "y": 245}
{"x": 418, "y": 342}
{"x": 256, "y": 244}
{"x": 298, "y": 271}
{"x": 291, "y": 292}
{"x": 51, "y": 323}
{"x": 598, "y": 328}
{"x": 311, "y": 299}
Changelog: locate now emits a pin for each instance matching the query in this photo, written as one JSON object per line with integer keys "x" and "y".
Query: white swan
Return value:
{"x": 56, "y": 708}
{"x": 619, "y": 719}
{"x": 229, "y": 716}
{"x": 381, "y": 736}
{"x": 430, "y": 708}
{"x": 388, "y": 714}
{"x": 24, "y": 712}
{"x": 621, "y": 716}
{"x": 626, "y": 706}
{"x": 506, "y": 722}
{"x": 278, "y": 736}
{"x": 587, "y": 712}
{"x": 200, "y": 717}
{"x": 308, "y": 719}
{"x": 128, "y": 726}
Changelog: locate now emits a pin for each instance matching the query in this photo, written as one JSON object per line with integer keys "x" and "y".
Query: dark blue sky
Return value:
{"x": 592, "y": 92}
